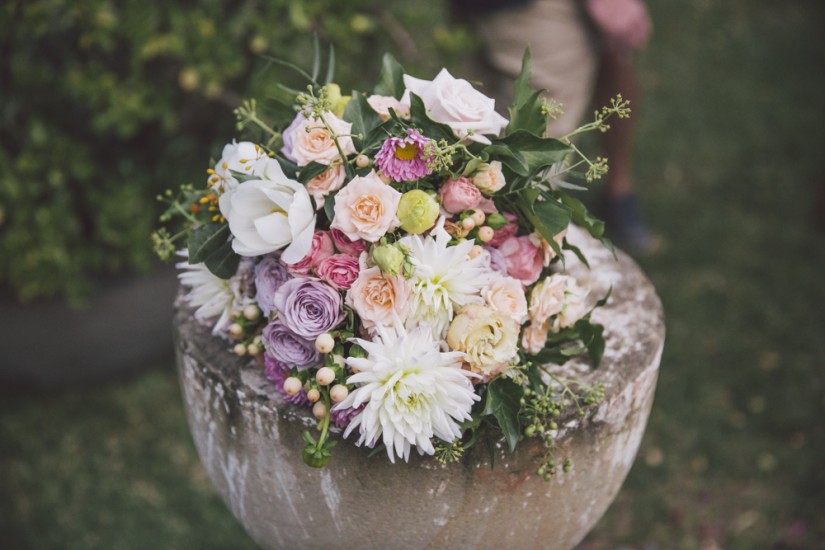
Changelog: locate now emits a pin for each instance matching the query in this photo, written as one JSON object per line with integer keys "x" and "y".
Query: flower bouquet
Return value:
{"x": 394, "y": 261}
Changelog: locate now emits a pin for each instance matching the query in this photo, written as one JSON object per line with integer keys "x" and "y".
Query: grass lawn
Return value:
{"x": 730, "y": 146}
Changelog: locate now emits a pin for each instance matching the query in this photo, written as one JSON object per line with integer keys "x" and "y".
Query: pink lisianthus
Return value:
{"x": 404, "y": 159}
{"x": 524, "y": 259}
{"x": 347, "y": 246}
{"x": 459, "y": 195}
{"x": 339, "y": 270}
{"x": 321, "y": 248}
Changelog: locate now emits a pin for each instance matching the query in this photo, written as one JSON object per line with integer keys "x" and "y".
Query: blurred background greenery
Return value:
{"x": 103, "y": 104}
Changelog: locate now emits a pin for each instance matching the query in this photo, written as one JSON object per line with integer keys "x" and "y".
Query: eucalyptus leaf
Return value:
{"x": 504, "y": 403}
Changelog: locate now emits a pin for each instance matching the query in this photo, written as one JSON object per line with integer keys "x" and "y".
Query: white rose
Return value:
{"x": 489, "y": 178}
{"x": 505, "y": 295}
{"x": 454, "y": 102}
{"x": 268, "y": 214}
{"x": 382, "y": 104}
{"x": 244, "y": 157}
{"x": 308, "y": 140}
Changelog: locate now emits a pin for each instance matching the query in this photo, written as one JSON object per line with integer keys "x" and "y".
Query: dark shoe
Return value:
{"x": 624, "y": 225}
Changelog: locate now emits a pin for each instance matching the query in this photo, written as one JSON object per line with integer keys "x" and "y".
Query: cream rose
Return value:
{"x": 546, "y": 250}
{"x": 489, "y": 178}
{"x": 377, "y": 297}
{"x": 557, "y": 302}
{"x": 269, "y": 214}
{"x": 488, "y": 339}
{"x": 366, "y": 208}
{"x": 454, "y": 102}
{"x": 505, "y": 295}
{"x": 308, "y": 140}
{"x": 325, "y": 183}
{"x": 534, "y": 338}
{"x": 382, "y": 104}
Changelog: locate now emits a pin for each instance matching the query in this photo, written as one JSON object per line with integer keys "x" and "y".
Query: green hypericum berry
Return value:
{"x": 388, "y": 258}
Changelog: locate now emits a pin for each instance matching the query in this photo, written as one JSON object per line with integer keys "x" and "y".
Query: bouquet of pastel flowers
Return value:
{"x": 394, "y": 261}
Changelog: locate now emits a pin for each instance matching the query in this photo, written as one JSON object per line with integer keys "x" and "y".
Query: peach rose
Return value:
{"x": 506, "y": 296}
{"x": 558, "y": 302}
{"x": 366, "y": 208}
{"x": 307, "y": 140}
{"x": 375, "y": 297}
{"x": 325, "y": 183}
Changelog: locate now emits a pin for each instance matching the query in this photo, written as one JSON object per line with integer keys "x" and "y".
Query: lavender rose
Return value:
{"x": 289, "y": 348}
{"x": 270, "y": 274}
{"x": 309, "y": 307}
{"x": 277, "y": 372}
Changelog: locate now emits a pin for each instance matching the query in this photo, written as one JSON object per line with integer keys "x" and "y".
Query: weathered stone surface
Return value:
{"x": 249, "y": 440}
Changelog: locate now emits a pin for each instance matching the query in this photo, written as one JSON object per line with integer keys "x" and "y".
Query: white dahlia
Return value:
{"x": 445, "y": 279}
{"x": 411, "y": 391}
{"x": 213, "y": 296}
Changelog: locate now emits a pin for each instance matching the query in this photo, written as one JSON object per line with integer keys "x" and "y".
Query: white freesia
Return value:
{"x": 411, "y": 391}
{"x": 244, "y": 157}
{"x": 268, "y": 214}
{"x": 212, "y": 296}
{"x": 445, "y": 278}
{"x": 454, "y": 102}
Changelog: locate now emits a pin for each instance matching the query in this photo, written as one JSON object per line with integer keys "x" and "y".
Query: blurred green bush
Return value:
{"x": 104, "y": 104}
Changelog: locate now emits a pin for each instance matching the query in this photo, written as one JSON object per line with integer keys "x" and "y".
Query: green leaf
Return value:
{"x": 504, "y": 402}
{"x": 206, "y": 240}
{"x": 330, "y": 76}
{"x": 223, "y": 262}
{"x": 550, "y": 355}
{"x": 537, "y": 152}
{"x": 290, "y": 168}
{"x": 592, "y": 336}
{"x": 363, "y": 118}
{"x": 311, "y": 170}
{"x": 429, "y": 127}
{"x": 316, "y": 57}
{"x": 582, "y": 217}
{"x": 575, "y": 250}
{"x": 544, "y": 212}
{"x": 329, "y": 205}
{"x": 525, "y": 111}
{"x": 391, "y": 78}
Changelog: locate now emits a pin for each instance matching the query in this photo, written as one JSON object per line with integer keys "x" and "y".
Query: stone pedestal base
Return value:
{"x": 249, "y": 440}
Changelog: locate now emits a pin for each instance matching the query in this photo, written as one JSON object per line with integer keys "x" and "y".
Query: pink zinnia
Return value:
{"x": 404, "y": 159}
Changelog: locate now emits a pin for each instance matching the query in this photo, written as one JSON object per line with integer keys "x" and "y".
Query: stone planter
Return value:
{"x": 249, "y": 441}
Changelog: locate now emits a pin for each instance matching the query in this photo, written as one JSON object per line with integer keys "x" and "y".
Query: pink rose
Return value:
{"x": 523, "y": 259}
{"x": 347, "y": 246}
{"x": 366, "y": 208}
{"x": 503, "y": 233}
{"x": 459, "y": 195}
{"x": 339, "y": 270}
{"x": 321, "y": 248}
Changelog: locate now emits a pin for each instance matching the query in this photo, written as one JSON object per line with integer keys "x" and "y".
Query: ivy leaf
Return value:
{"x": 205, "y": 240}
{"x": 310, "y": 171}
{"x": 592, "y": 336}
{"x": 391, "y": 78}
{"x": 504, "y": 402}
{"x": 363, "y": 118}
{"x": 582, "y": 217}
{"x": 525, "y": 111}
